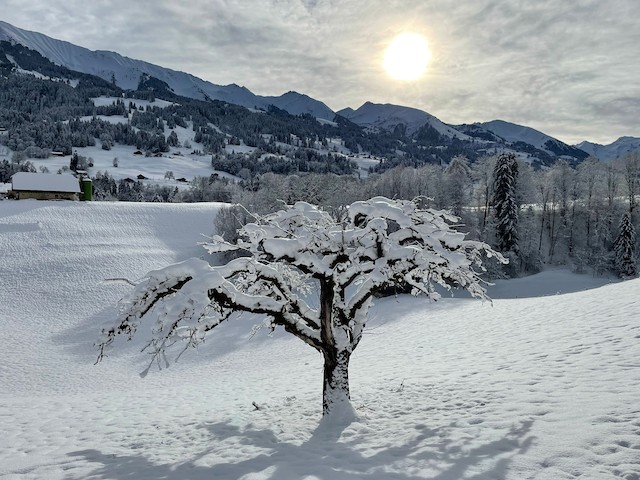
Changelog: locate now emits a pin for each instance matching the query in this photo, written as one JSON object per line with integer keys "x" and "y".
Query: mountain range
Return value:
{"x": 126, "y": 73}
{"x": 131, "y": 74}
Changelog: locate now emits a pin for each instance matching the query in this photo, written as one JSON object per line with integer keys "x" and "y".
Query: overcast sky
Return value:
{"x": 570, "y": 68}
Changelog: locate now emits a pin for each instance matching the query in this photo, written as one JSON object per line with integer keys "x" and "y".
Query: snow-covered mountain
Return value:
{"x": 497, "y": 134}
{"x": 127, "y": 72}
{"x": 512, "y": 132}
{"x": 613, "y": 150}
{"x": 298, "y": 103}
{"x": 130, "y": 74}
{"x": 388, "y": 116}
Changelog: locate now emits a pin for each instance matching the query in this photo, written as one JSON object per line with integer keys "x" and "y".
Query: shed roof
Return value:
{"x": 44, "y": 182}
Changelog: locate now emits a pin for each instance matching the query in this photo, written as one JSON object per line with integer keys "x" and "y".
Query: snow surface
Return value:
{"x": 513, "y": 132}
{"x": 517, "y": 133}
{"x": 180, "y": 161}
{"x": 113, "y": 119}
{"x": 541, "y": 387}
{"x": 106, "y": 101}
{"x": 45, "y": 182}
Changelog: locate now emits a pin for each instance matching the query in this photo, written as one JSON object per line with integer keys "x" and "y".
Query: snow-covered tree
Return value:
{"x": 73, "y": 163}
{"x": 624, "y": 248}
{"x": 297, "y": 254}
{"x": 505, "y": 204}
{"x": 458, "y": 184}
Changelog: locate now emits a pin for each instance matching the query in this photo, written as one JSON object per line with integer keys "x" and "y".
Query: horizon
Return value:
{"x": 563, "y": 70}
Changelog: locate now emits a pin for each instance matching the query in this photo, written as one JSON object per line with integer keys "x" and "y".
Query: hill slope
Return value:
{"x": 518, "y": 133}
{"x": 541, "y": 387}
{"x": 388, "y": 116}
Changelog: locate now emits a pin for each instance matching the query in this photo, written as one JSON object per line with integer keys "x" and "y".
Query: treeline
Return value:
{"x": 561, "y": 216}
{"x": 65, "y": 136}
{"x": 106, "y": 188}
{"x": 301, "y": 160}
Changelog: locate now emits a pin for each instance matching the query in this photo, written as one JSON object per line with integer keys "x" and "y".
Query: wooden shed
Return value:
{"x": 44, "y": 186}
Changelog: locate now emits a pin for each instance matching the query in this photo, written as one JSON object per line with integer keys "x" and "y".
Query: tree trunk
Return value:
{"x": 335, "y": 395}
{"x": 544, "y": 213}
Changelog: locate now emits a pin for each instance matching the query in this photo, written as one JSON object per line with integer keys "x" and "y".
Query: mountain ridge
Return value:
{"x": 513, "y": 132}
{"x": 389, "y": 116}
{"x": 126, "y": 72}
{"x": 618, "y": 148}
{"x": 398, "y": 120}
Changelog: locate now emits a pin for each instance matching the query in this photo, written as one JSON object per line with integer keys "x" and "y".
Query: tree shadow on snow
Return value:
{"x": 439, "y": 454}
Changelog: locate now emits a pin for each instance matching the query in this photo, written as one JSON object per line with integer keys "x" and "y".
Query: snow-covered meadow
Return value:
{"x": 538, "y": 385}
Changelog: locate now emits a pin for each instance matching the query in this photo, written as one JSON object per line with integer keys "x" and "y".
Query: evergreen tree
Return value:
{"x": 172, "y": 140}
{"x": 624, "y": 248}
{"x": 504, "y": 203}
{"x": 73, "y": 163}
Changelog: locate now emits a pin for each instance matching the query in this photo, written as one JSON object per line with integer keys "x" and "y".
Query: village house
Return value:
{"x": 44, "y": 186}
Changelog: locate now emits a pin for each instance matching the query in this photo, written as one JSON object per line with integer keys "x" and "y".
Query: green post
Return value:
{"x": 87, "y": 190}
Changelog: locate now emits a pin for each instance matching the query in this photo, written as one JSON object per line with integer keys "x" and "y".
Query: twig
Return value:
{"x": 124, "y": 280}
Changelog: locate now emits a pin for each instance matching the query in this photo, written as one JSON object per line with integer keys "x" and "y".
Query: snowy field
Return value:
{"x": 180, "y": 161}
{"x": 538, "y": 385}
{"x": 106, "y": 101}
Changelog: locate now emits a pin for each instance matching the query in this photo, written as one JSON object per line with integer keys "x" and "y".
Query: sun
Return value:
{"x": 407, "y": 56}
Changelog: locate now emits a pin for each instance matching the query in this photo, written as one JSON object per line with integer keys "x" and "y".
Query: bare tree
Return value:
{"x": 590, "y": 175}
{"x": 458, "y": 184}
{"x": 300, "y": 251}
{"x": 631, "y": 172}
{"x": 482, "y": 176}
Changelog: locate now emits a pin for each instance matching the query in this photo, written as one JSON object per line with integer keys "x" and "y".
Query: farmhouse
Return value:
{"x": 44, "y": 186}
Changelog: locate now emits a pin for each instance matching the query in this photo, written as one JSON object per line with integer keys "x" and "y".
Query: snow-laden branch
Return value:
{"x": 193, "y": 297}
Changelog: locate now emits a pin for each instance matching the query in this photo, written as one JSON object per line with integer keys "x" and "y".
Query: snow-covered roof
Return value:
{"x": 44, "y": 182}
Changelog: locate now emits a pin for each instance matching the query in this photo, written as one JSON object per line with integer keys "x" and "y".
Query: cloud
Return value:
{"x": 567, "y": 68}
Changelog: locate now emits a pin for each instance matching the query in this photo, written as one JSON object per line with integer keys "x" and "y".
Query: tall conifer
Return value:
{"x": 504, "y": 203}
{"x": 624, "y": 248}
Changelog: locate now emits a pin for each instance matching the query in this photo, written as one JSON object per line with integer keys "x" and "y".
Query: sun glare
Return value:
{"x": 407, "y": 56}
